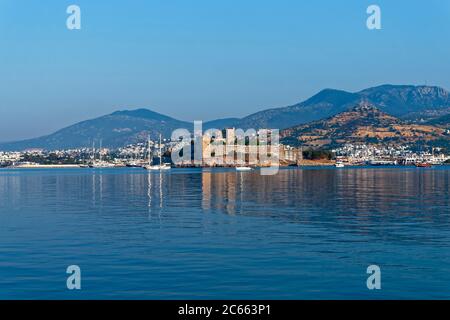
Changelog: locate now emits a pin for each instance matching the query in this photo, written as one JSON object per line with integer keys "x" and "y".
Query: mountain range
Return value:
{"x": 415, "y": 104}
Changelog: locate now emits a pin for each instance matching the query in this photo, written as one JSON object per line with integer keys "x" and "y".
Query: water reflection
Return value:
{"x": 155, "y": 185}
{"x": 225, "y": 234}
{"x": 360, "y": 193}
{"x": 347, "y": 199}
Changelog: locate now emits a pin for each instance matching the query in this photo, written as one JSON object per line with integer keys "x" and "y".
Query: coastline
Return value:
{"x": 45, "y": 166}
{"x": 315, "y": 163}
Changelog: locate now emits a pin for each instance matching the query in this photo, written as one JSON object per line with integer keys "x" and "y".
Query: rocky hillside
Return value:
{"x": 363, "y": 123}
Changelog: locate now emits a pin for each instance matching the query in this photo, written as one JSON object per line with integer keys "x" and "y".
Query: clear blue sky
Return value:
{"x": 205, "y": 59}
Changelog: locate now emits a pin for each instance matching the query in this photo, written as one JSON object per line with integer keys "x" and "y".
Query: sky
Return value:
{"x": 205, "y": 59}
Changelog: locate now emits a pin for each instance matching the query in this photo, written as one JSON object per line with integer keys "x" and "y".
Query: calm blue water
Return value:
{"x": 302, "y": 234}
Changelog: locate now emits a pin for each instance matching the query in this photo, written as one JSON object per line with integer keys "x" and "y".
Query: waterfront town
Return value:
{"x": 149, "y": 152}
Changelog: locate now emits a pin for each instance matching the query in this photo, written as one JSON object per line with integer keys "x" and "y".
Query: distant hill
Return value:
{"x": 363, "y": 123}
{"x": 221, "y": 123}
{"x": 408, "y": 102}
{"x": 415, "y": 103}
{"x": 114, "y": 130}
{"x": 326, "y": 103}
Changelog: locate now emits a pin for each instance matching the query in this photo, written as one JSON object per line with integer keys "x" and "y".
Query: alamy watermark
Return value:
{"x": 228, "y": 147}
{"x": 73, "y": 22}
{"x": 374, "y": 20}
{"x": 374, "y": 280}
{"x": 74, "y": 280}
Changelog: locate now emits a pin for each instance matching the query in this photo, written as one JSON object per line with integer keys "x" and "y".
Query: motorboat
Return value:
{"x": 339, "y": 165}
{"x": 423, "y": 165}
{"x": 242, "y": 169}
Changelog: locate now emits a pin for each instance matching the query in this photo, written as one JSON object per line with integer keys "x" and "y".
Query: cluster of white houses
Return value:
{"x": 6, "y": 157}
{"x": 390, "y": 154}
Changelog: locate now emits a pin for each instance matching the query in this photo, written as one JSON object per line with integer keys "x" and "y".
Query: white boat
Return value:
{"x": 134, "y": 164}
{"x": 383, "y": 162}
{"x": 158, "y": 167}
{"x": 339, "y": 165}
{"x": 101, "y": 164}
{"x": 243, "y": 169}
{"x": 98, "y": 163}
{"x": 161, "y": 166}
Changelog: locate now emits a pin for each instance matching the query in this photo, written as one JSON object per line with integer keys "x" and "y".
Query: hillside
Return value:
{"x": 407, "y": 102}
{"x": 415, "y": 103}
{"x": 117, "y": 129}
{"x": 443, "y": 121}
{"x": 363, "y": 123}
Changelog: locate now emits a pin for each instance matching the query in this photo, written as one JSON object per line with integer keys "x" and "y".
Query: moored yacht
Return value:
{"x": 161, "y": 166}
{"x": 101, "y": 164}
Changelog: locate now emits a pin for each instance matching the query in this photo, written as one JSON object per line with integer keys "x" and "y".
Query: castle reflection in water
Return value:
{"x": 294, "y": 194}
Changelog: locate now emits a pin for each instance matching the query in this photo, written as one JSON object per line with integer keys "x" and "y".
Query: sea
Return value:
{"x": 304, "y": 233}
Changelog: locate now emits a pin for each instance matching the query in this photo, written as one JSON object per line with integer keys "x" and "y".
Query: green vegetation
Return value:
{"x": 52, "y": 158}
{"x": 318, "y": 154}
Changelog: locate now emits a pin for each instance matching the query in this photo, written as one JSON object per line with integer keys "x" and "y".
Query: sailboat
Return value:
{"x": 161, "y": 166}
{"x": 99, "y": 163}
{"x": 85, "y": 164}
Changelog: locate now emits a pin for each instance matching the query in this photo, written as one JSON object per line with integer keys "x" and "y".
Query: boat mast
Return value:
{"x": 160, "y": 151}
{"x": 149, "y": 152}
{"x": 100, "y": 151}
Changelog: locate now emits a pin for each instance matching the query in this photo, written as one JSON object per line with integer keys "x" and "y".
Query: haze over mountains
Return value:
{"x": 412, "y": 103}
